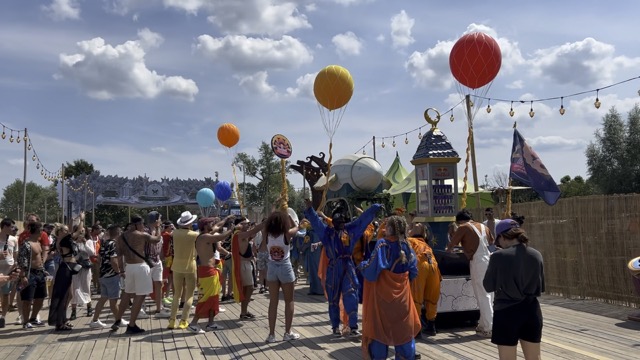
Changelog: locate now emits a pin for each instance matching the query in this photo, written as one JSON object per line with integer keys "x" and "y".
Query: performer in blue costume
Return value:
{"x": 389, "y": 316}
{"x": 338, "y": 241}
{"x": 313, "y": 259}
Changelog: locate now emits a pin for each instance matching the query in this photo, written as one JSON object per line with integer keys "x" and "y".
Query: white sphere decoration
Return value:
{"x": 634, "y": 266}
{"x": 362, "y": 172}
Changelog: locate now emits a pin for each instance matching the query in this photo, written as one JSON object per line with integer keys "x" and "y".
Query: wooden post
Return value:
{"x": 472, "y": 146}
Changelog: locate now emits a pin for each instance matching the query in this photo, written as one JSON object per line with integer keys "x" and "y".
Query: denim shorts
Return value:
{"x": 281, "y": 271}
{"x": 110, "y": 287}
{"x": 6, "y": 288}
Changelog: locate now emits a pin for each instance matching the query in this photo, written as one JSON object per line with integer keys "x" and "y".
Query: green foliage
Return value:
{"x": 79, "y": 167}
{"x": 613, "y": 157}
{"x": 37, "y": 198}
{"x": 575, "y": 187}
{"x": 266, "y": 170}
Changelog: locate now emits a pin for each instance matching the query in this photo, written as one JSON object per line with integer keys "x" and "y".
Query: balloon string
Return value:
{"x": 237, "y": 187}
{"x": 284, "y": 204}
{"x": 463, "y": 204}
{"x": 326, "y": 188}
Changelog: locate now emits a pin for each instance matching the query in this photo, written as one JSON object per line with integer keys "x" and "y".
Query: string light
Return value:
{"x": 597, "y": 102}
{"x": 562, "y": 111}
{"x": 511, "y": 112}
{"x": 489, "y": 107}
{"x": 451, "y": 117}
{"x": 364, "y": 152}
{"x": 394, "y": 142}
{"x": 382, "y": 143}
{"x": 406, "y": 139}
{"x": 420, "y": 134}
{"x": 531, "y": 112}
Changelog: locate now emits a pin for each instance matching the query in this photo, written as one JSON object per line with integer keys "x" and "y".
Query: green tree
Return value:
{"x": 266, "y": 170}
{"x": 575, "y": 187}
{"x": 40, "y": 200}
{"x": 613, "y": 156}
{"x": 79, "y": 167}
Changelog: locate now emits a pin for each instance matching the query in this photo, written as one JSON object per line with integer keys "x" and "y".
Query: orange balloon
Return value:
{"x": 228, "y": 135}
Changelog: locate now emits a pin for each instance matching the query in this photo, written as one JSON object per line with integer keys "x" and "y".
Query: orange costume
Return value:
{"x": 426, "y": 287}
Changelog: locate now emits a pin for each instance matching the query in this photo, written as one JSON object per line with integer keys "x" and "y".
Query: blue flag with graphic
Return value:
{"x": 527, "y": 168}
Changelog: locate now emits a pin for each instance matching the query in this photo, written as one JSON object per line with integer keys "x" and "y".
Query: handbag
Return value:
{"x": 146, "y": 259}
{"x": 74, "y": 268}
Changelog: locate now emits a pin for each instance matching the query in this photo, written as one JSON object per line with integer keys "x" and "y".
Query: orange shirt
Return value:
{"x": 44, "y": 238}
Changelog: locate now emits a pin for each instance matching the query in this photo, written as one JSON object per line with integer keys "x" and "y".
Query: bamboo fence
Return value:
{"x": 586, "y": 243}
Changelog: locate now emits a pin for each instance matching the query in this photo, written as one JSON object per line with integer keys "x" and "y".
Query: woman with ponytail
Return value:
{"x": 389, "y": 317}
{"x": 516, "y": 276}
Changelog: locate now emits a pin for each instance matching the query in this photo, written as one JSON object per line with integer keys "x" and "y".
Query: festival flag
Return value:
{"x": 527, "y": 168}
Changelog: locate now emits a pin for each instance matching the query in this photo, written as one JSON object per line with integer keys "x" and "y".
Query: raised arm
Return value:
{"x": 357, "y": 227}
{"x": 316, "y": 222}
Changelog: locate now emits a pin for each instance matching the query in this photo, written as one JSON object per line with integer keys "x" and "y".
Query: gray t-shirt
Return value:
{"x": 514, "y": 274}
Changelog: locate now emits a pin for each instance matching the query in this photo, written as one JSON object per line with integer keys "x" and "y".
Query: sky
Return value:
{"x": 141, "y": 86}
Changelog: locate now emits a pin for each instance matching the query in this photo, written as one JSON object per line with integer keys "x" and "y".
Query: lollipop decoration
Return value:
{"x": 281, "y": 146}
{"x": 205, "y": 199}
{"x": 333, "y": 88}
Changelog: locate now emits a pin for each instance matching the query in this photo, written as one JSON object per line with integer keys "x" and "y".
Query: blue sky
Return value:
{"x": 141, "y": 86}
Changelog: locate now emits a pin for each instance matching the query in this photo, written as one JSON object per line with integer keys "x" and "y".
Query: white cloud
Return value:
{"x": 518, "y": 84}
{"x": 62, "y": 10}
{"x": 104, "y": 71}
{"x": 380, "y": 38}
{"x": 159, "y": 149}
{"x": 547, "y": 143}
{"x": 257, "y": 84}
{"x": 347, "y": 44}
{"x": 304, "y": 86}
{"x": 15, "y": 162}
{"x": 311, "y": 7}
{"x": 149, "y": 39}
{"x": 253, "y": 54}
{"x": 401, "y": 25}
{"x": 584, "y": 63}
{"x": 431, "y": 68}
{"x": 257, "y": 17}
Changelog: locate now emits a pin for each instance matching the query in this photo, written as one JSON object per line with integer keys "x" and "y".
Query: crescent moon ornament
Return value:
{"x": 434, "y": 123}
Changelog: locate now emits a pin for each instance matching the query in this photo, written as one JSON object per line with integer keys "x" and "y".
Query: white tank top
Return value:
{"x": 278, "y": 250}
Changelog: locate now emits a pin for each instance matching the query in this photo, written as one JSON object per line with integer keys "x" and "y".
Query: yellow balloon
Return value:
{"x": 333, "y": 87}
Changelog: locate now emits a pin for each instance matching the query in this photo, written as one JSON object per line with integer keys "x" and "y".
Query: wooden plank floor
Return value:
{"x": 572, "y": 330}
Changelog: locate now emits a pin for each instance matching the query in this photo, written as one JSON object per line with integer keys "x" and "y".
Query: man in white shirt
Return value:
{"x": 8, "y": 246}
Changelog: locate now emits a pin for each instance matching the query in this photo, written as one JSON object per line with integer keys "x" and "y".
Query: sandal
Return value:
{"x": 70, "y": 325}
{"x": 63, "y": 328}
{"x": 247, "y": 316}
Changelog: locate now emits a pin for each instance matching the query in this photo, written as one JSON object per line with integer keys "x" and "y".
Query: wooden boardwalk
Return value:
{"x": 573, "y": 330}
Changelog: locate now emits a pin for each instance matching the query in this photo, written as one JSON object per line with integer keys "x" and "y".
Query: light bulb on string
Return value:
{"x": 38, "y": 166}
{"x": 33, "y": 157}
{"x": 42, "y": 172}
{"x": 11, "y": 137}
{"x": 406, "y": 139}
{"x": 451, "y": 118}
{"x": 364, "y": 152}
{"x": 531, "y": 112}
{"x": 489, "y": 107}
{"x": 382, "y": 143}
{"x": 562, "y": 110}
{"x": 25, "y": 138}
{"x": 18, "y": 138}
{"x": 511, "y": 112}
{"x": 394, "y": 142}
{"x": 597, "y": 103}
{"x": 420, "y": 134}
{"x": 29, "y": 146}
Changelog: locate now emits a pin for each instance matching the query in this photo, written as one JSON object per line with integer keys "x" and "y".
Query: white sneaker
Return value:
{"x": 124, "y": 323}
{"x": 213, "y": 327}
{"x": 98, "y": 325}
{"x": 271, "y": 339}
{"x": 19, "y": 320}
{"x": 196, "y": 329}
{"x": 163, "y": 314}
{"x": 143, "y": 314}
{"x": 222, "y": 309}
{"x": 290, "y": 336}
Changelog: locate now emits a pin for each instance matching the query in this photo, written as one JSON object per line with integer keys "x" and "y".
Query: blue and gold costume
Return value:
{"x": 341, "y": 272}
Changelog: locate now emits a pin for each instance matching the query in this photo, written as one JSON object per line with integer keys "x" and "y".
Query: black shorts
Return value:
{"x": 36, "y": 288}
{"x": 522, "y": 321}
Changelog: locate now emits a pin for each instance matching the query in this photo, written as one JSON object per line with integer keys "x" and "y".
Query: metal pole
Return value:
{"x": 62, "y": 193}
{"x": 24, "y": 177}
{"x": 374, "y": 148}
{"x": 473, "y": 149}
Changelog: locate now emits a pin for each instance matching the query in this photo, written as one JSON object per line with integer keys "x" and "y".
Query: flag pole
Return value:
{"x": 472, "y": 145}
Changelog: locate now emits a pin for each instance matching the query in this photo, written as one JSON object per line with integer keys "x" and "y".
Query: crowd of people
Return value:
{"x": 385, "y": 266}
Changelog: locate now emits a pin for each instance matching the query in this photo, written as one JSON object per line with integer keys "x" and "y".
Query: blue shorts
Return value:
{"x": 6, "y": 288}
{"x": 110, "y": 287}
{"x": 281, "y": 271}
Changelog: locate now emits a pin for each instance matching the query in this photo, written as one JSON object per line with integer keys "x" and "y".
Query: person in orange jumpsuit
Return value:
{"x": 426, "y": 287}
